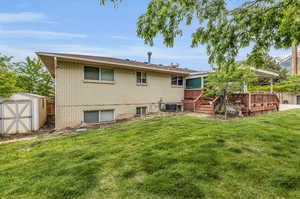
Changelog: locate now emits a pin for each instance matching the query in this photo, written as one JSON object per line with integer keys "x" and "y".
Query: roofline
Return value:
{"x": 286, "y": 57}
{"x": 264, "y": 71}
{"x": 204, "y": 74}
{"x": 107, "y": 62}
{"x": 30, "y": 95}
{"x": 197, "y": 75}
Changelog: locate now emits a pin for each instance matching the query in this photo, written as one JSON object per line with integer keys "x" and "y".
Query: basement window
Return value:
{"x": 99, "y": 116}
{"x": 173, "y": 108}
{"x": 141, "y": 111}
{"x": 177, "y": 81}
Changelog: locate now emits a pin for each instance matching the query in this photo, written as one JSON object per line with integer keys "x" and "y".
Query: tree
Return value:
{"x": 224, "y": 81}
{"x": 34, "y": 78}
{"x": 290, "y": 85}
{"x": 266, "y": 62}
{"x": 7, "y": 78}
{"x": 263, "y": 23}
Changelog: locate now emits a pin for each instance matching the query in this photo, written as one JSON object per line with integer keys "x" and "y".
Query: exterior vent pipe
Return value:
{"x": 149, "y": 57}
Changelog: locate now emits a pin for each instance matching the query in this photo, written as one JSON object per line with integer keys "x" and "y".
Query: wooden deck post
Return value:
{"x": 295, "y": 58}
{"x": 271, "y": 86}
{"x": 249, "y": 105}
{"x": 245, "y": 87}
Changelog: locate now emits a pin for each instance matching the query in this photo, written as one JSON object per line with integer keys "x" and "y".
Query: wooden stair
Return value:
{"x": 196, "y": 102}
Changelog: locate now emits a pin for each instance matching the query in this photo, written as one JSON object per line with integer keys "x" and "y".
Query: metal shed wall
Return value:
{"x": 22, "y": 113}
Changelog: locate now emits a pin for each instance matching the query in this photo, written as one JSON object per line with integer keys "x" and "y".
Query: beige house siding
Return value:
{"x": 290, "y": 98}
{"x": 74, "y": 95}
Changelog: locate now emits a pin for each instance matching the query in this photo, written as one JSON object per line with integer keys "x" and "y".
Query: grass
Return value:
{"x": 162, "y": 158}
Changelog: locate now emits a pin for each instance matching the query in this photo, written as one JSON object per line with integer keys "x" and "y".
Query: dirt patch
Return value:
{"x": 71, "y": 131}
{"x": 199, "y": 115}
{"x": 18, "y": 140}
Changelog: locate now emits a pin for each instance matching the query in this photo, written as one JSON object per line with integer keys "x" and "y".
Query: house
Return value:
{"x": 288, "y": 63}
{"x": 94, "y": 89}
{"x": 22, "y": 113}
{"x": 91, "y": 89}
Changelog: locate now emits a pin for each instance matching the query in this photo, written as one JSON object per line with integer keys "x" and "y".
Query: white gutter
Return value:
{"x": 112, "y": 63}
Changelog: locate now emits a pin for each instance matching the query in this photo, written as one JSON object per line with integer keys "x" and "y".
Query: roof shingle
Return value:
{"x": 174, "y": 68}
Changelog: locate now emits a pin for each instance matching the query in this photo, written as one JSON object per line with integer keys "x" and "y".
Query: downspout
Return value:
{"x": 55, "y": 92}
{"x": 55, "y": 63}
{"x": 202, "y": 82}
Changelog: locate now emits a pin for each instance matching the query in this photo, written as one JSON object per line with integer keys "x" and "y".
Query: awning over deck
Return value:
{"x": 263, "y": 73}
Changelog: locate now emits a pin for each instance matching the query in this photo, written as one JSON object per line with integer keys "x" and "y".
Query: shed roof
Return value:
{"x": 31, "y": 95}
{"x": 49, "y": 60}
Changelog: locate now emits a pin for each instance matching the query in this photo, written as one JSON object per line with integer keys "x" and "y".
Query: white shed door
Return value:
{"x": 16, "y": 117}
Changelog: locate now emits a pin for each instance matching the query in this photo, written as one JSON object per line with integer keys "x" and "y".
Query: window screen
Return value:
{"x": 107, "y": 74}
{"x": 91, "y": 73}
{"x": 141, "y": 110}
{"x": 106, "y": 115}
{"x": 91, "y": 116}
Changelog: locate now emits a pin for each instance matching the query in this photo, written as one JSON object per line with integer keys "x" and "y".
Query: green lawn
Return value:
{"x": 162, "y": 158}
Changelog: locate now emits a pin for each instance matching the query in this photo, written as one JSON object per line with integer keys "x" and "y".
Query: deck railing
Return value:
{"x": 247, "y": 102}
{"x": 255, "y": 102}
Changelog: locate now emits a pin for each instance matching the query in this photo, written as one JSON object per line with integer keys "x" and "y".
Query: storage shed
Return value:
{"x": 22, "y": 113}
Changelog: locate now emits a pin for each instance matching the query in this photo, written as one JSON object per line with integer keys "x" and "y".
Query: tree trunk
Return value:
{"x": 225, "y": 103}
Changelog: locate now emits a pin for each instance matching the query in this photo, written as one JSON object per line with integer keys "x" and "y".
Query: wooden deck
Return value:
{"x": 247, "y": 103}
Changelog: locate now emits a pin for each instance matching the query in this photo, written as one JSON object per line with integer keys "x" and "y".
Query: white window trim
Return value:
{"x": 141, "y": 84}
{"x": 178, "y": 86}
{"x": 99, "y": 114}
{"x": 99, "y": 81}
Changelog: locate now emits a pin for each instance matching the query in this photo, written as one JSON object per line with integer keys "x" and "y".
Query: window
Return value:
{"x": 106, "y": 115}
{"x": 141, "y": 110}
{"x": 141, "y": 77}
{"x": 91, "y": 116}
{"x": 177, "y": 80}
{"x": 98, "y": 74}
{"x": 194, "y": 83}
{"x": 98, "y": 116}
{"x": 173, "y": 108}
{"x": 91, "y": 73}
{"x": 107, "y": 74}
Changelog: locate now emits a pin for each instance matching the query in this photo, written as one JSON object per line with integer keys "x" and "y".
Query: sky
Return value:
{"x": 85, "y": 27}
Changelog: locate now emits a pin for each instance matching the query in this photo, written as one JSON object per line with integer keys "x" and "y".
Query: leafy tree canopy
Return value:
{"x": 290, "y": 85}
{"x": 28, "y": 76}
{"x": 34, "y": 78}
{"x": 266, "y": 62}
{"x": 7, "y": 78}
{"x": 261, "y": 24}
{"x": 224, "y": 81}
